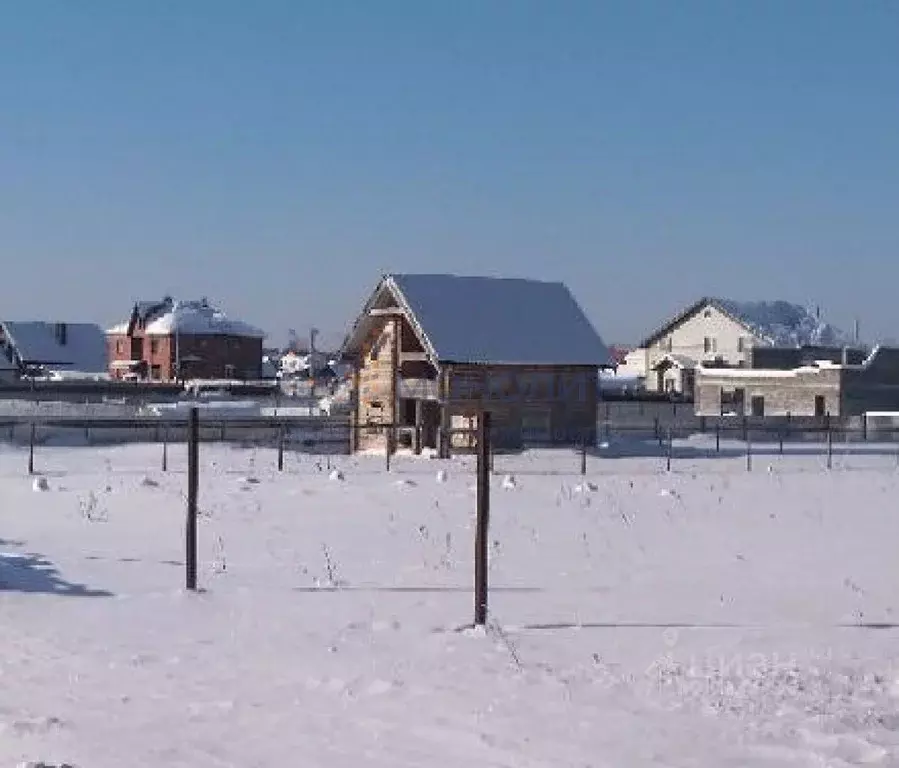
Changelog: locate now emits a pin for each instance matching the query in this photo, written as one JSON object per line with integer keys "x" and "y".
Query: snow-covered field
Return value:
{"x": 705, "y": 617}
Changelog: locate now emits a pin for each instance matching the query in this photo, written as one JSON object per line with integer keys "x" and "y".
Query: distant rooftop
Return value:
{"x": 778, "y": 323}
{"x": 199, "y": 318}
{"x": 67, "y": 346}
{"x": 168, "y": 316}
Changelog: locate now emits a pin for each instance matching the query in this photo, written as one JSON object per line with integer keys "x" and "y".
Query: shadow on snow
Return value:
{"x": 28, "y": 572}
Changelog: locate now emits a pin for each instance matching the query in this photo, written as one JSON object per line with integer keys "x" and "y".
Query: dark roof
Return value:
{"x": 40, "y": 343}
{"x": 148, "y": 310}
{"x": 499, "y": 320}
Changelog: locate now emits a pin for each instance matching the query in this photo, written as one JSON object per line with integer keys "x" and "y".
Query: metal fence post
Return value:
{"x": 669, "y": 450}
{"x": 31, "y": 449}
{"x": 193, "y": 477}
{"x": 483, "y": 521}
{"x": 829, "y": 445}
{"x": 388, "y": 446}
{"x": 748, "y": 451}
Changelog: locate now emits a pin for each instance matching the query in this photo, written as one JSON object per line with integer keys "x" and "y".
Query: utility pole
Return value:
{"x": 177, "y": 342}
{"x": 313, "y": 332}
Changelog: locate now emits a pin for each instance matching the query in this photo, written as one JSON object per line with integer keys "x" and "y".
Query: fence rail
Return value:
{"x": 236, "y": 426}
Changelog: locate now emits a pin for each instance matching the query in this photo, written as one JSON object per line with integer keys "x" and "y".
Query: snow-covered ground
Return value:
{"x": 705, "y": 617}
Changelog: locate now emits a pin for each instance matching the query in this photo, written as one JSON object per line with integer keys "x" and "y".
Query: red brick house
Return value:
{"x": 168, "y": 340}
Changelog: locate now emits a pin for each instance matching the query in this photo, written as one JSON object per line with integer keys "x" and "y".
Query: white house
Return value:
{"x": 722, "y": 333}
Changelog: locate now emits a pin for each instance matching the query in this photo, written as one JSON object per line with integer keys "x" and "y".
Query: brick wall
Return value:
{"x": 786, "y": 392}
{"x": 214, "y": 355}
{"x": 217, "y": 357}
{"x": 121, "y": 348}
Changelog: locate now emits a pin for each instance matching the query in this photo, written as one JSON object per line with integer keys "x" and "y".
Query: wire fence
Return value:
{"x": 635, "y": 447}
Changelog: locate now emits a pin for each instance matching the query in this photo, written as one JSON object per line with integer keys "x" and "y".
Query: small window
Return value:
{"x": 154, "y": 346}
{"x": 707, "y": 344}
{"x": 707, "y": 313}
{"x": 229, "y": 371}
{"x": 669, "y": 343}
{"x": 741, "y": 344}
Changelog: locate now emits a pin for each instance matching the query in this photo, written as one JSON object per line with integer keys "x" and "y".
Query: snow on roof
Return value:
{"x": 760, "y": 373}
{"x": 501, "y": 320}
{"x": 784, "y": 324}
{"x": 778, "y": 323}
{"x": 199, "y": 318}
{"x": 72, "y": 346}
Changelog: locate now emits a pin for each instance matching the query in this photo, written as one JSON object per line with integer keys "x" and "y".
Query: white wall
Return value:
{"x": 634, "y": 365}
{"x": 689, "y": 339}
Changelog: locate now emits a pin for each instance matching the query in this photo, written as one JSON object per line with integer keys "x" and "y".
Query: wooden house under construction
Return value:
{"x": 430, "y": 352}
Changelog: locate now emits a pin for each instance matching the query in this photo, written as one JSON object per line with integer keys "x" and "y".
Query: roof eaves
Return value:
{"x": 384, "y": 281}
{"x": 720, "y": 304}
{"x": 350, "y": 335}
{"x": 422, "y": 334}
{"x": 691, "y": 310}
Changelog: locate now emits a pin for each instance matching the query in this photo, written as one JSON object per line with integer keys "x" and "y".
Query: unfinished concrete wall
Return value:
{"x": 783, "y": 392}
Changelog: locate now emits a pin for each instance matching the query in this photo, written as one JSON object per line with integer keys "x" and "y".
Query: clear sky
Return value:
{"x": 277, "y": 156}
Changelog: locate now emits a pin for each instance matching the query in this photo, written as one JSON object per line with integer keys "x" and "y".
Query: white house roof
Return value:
{"x": 79, "y": 347}
{"x": 498, "y": 320}
{"x": 201, "y": 319}
{"x": 776, "y": 323}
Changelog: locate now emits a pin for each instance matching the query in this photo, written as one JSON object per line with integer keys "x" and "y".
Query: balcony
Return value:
{"x": 417, "y": 389}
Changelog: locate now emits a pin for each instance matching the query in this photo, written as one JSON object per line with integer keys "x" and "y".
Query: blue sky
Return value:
{"x": 278, "y": 156}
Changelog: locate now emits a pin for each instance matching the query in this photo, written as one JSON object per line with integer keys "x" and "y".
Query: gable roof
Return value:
{"x": 775, "y": 323}
{"x": 40, "y": 343}
{"x": 687, "y": 313}
{"x": 492, "y": 320}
